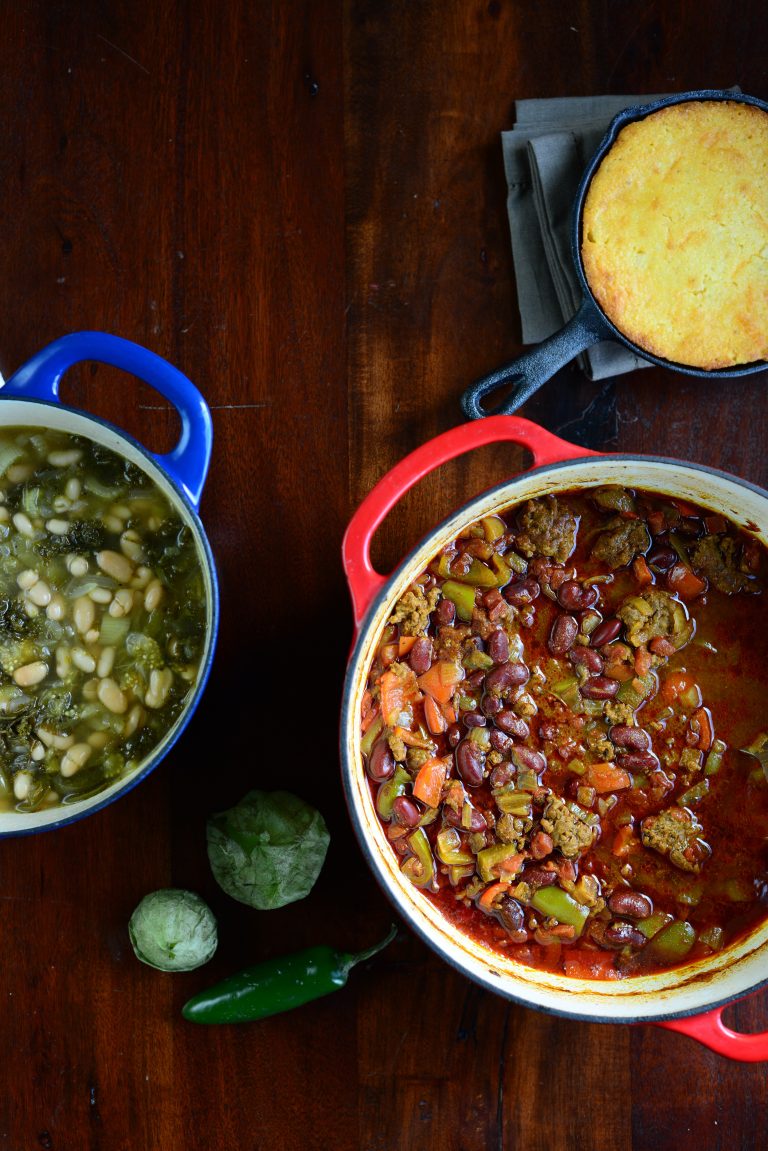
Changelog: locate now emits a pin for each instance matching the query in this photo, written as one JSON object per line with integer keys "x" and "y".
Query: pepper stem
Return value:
{"x": 351, "y": 960}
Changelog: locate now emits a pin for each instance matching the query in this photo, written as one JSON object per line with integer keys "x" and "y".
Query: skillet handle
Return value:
{"x": 187, "y": 464}
{"x": 710, "y": 1030}
{"x": 528, "y": 372}
{"x": 364, "y": 582}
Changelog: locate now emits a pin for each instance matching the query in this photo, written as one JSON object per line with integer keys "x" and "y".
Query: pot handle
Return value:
{"x": 710, "y": 1030}
{"x": 187, "y": 464}
{"x": 364, "y": 582}
{"x": 528, "y": 372}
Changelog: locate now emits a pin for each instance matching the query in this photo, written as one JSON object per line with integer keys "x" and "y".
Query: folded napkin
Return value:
{"x": 545, "y": 155}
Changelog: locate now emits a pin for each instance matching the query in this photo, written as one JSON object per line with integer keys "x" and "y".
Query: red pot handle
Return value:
{"x": 710, "y": 1030}
{"x": 364, "y": 582}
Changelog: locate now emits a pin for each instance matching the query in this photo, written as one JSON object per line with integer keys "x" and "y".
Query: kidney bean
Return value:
{"x": 563, "y": 634}
{"x": 522, "y": 591}
{"x": 477, "y": 821}
{"x": 475, "y": 679}
{"x": 662, "y": 558}
{"x": 502, "y": 774}
{"x": 633, "y": 738}
{"x": 574, "y": 596}
{"x": 445, "y": 612}
{"x": 537, "y": 877}
{"x": 469, "y": 763}
{"x": 527, "y": 757}
{"x": 381, "y": 762}
{"x": 512, "y": 724}
{"x": 491, "y": 705}
{"x": 506, "y": 675}
{"x": 454, "y": 734}
{"x": 512, "y": 917}
{"x": 474, "y": 719}
{"x": 599, "y": 687}
{"x": 498, "y": 646}
{"x": 547, "y": 729}
{"x": 633, "y": 904}
{"x": 605, "y": 632}
{"x": 420, "y": 655}
{"x": 637, "y": 761}
{"x": 619, "y": 933}
{"x": 587, "y": 657}
{"x": 541, "y": 845}
{"x": 691, "y": 526}
{"x": 405, "y": 811}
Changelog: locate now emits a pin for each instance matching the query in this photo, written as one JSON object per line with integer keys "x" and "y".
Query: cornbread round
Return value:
{"x": 674, "y": 237}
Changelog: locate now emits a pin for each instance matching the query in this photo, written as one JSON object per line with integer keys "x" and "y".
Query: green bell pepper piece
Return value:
{"x": 462, "y": 596}
{"x": 561, "y": 906}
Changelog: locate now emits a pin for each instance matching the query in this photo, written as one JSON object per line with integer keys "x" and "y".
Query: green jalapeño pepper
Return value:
{"x": 277, "y": 985}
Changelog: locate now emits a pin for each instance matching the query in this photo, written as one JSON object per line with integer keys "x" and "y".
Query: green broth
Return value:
{"x": 102, "y": 617}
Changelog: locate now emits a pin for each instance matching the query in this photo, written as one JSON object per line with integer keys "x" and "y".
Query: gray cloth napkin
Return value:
{"x": 545, "y": 155}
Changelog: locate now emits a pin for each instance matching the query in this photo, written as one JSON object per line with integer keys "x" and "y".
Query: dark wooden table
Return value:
{"x": 302, "y": 205}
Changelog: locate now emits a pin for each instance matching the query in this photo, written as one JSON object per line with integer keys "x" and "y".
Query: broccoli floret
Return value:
{"x": 144, "y": 652}
{"x": 15, "y": 651}
{"x": 13, "y": 619}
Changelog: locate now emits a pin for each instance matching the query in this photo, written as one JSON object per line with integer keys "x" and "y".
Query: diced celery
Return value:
{"x": 493, "y": 527}
{"x": 654, "y": 923}
{"x": 449, "y": 849}
{"x": 368, "y": 740}
{"x": 694, "y": 794}
{"x": 712, "y": 937}
{"x": 714, "y": 760}
{"x": 389, "y": 791}
{"x": 489, "y": 860}
{"x": 113, "y": 629}
{"x": 512, "y": 802}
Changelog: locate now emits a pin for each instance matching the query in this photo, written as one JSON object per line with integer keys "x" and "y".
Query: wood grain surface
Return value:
{"x": 302, "y": 205}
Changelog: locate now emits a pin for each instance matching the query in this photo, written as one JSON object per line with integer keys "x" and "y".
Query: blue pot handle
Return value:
{"x": 41, "y": 376}
{"x": 530, "y": 371}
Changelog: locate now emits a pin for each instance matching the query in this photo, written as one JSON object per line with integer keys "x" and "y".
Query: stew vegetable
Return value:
{"x": 555, "y": 727}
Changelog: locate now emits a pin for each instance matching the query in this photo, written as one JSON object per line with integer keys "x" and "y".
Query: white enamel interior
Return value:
{"x": 28, "y": 413}
{"x": 686, "y": 990}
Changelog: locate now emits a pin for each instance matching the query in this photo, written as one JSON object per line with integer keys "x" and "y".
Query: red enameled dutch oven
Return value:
{"x": 690, "y": 998}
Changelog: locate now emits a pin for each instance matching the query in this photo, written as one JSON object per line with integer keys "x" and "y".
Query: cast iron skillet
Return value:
{"x": 590, "y": 324}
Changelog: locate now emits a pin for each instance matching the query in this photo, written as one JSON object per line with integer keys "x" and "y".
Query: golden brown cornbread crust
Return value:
{"x": 675, "y": 233}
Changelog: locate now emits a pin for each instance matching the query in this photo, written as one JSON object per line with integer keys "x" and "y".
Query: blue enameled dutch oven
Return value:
{"x": 590, "y": 324}
{"x": 31, "y": 398}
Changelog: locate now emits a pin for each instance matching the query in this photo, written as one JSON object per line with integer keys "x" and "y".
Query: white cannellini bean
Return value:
{"x": 115, "y": 564}
{"x": 102, "y": 595}
{"x": 112, "y": 523}
{"x": 54, "y": 739}
{"x": 112, "y": 697}
{"x": 106, "y": 662}
{"x": 84, "y": 614}
{"x": 30, "y": 673}
{"x": 160, "y": 683}
{"x": 23, "y": 524}
{"x": 98, "y": 739}
{"x": 27, "y": 579}
{"x": 30, "y": 609}
{"x": 134, "y": 720}
{"x": 122, "y": 603}
{"x": 17, "y": 473}
{"x": 75, "y": 758}
{"x": 83, "y": 660}
{"x": 5, "y": 515}
{"x": 92, "y": 636}
{"x": 73, "y": 488}
{"x": 130, "y": 545}
{"x": 57, "y": 608}
{"x": 142, "y": 577}
{"x": 36, "y": 751}
{"x": 90, "y": 690}
{"x": 77, "y": 565}
{"x": 65, "y": 458}
{"x": 153, "y": 596}
{"x": 63, "y": 661}
{"x": 40, "y": 593}
{"x": 22, "y": 784}
{"x": 57, "y": 527}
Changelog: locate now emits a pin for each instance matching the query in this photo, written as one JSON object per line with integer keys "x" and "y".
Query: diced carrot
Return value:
{"x": 684, "y": 582}
{"x": 494, "y": 891}
{"x": 404, "y": 644}
{"x": 589, "y": 964}
{"x": 512, "y": 863}
{"x": 366, "y": 703}
{"x": 607, "y": 777}
{"x": 643, "y": 661}
{"x": 623, "y": 840}
{"x": 388, "y": 653}
{"x": 676, "y": 684}
{"x": 659, "y": 645}
{"x": 449, "y": 711}
{"x": 370, "y": 710}
{"x": 435, "y": 720}
{"x": 655, "y": 522}
{"x": 684, "y": 508}
{"x": 441, "y": 680}
{"x": 715, "y": 524}
{"x": 398, "y": 694}
{"x": 619, "y": 670}
{"x": 642, "y": 572}
{"x": 701, "y": 726}
{"x": 428, "y": 785}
